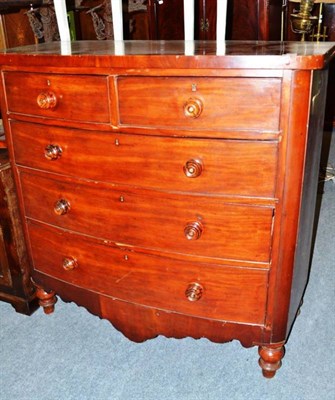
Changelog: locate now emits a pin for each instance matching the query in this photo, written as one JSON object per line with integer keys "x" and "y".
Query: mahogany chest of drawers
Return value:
{"x": 172, "y": 194}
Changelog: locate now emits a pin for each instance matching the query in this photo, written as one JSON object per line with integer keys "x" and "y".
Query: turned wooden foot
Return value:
{"x": 46, "y": 300}
{"x": 270, "y": 359}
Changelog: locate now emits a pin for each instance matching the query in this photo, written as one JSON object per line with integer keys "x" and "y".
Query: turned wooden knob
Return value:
{"x": 52, "y": 152}
{"x": 61, "y": 207}
{"x": 70, "y": 263}
{"x": 193, "y": 168}
{"x": 194, "y": 291}
{"x": 193, "y": 230}
{"x": 47, "y": 100}
{"x": 193, "y": 108}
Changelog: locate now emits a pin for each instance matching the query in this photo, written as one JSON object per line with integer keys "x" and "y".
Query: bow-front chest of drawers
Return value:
{"x": 172, "y": 194}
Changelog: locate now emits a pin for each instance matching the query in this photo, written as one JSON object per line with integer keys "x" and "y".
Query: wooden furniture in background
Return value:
{"x": 150, "y": 20}
{"x": 166, "y": 20}
{"x": 15, "y": 284}
{"x": 170, "y": 194}
{"x": 15, "y": 29}
{"x": 246, "y": 20}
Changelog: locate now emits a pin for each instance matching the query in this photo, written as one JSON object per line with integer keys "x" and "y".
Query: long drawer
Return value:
{"x": 189, "y": 224}
{"x": 218, "y": 292}
{"x": 69, "y": 97}
{"x": 194, "y": 165}
{"x": 200, "y": 103}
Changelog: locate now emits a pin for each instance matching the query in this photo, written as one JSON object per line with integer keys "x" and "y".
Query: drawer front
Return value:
{"x": 177, "y": 164}
{"x": 72, "y": 97}
{"x": 219, "y": 292}
{"x": 189, "y": 224}
{"x": 200, "y": 103}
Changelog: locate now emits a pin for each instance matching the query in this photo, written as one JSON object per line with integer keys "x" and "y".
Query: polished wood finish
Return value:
{"x": 150, "y": 280}
{"x": 311, "y": 180}
{"x": 147, "y": 322}
{"x": 15, "y": 29}
{"x": 136, "y": 217}
{"x": 205, "y": 26}
{"x": 269, "y": 59}
{"x": 49, "y": 95}
{"x": 222, "y": 103}
{"x": 148, "y": 158}
{"x": 171, "y": 194}
{"x": 246, "y": 20}
{"x": 46, "y": 299}
{"x": 166, "y": 20}
{"x": 270, "y": 359}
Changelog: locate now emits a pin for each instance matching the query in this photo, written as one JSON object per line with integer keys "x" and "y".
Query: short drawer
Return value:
{"x": 176, "y": 164}
{"x": 189, "y": 224}
{"x": 211, "y": 291}
{"x": 69, "y": 97}
{"x": 200, "y": 103}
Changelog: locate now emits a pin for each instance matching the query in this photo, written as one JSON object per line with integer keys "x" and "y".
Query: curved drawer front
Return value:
{"x": 199, "y": 225}
{"x": 200, "y": 103}
{"x": 69, "y": 97}
{"x": 225, "y": 293}
{"x": 177, "y": 164}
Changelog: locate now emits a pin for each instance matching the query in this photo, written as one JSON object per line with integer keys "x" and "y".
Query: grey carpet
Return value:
{"x": 72, "y": 354}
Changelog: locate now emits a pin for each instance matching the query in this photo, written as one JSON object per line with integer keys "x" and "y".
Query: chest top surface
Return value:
{"x": 176, "y": 54}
